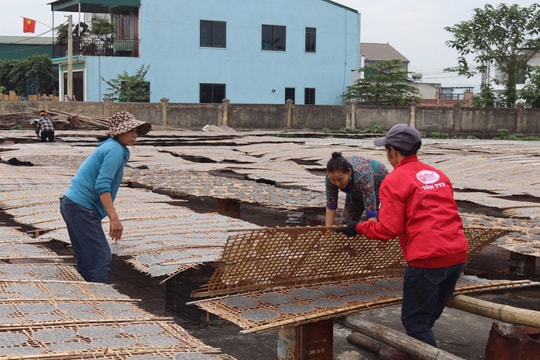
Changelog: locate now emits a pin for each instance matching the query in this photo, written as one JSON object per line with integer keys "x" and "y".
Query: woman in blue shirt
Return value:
{"x": 90, "y": 197}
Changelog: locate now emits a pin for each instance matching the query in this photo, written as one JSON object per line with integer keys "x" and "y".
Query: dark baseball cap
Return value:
{"x": 401, "y": 136}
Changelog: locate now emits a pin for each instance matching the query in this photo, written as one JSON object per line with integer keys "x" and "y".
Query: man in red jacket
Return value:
{"x": 417, "y": 205}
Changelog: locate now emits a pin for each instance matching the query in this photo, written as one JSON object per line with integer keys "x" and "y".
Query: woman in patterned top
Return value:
{"x": 359, "y": 178}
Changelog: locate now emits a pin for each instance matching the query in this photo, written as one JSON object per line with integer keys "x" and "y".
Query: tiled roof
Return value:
{"x": 378, "y": 51}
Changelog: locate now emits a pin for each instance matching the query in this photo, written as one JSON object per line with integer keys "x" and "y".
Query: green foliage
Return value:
{"x": 78, "y": 32}
{"x": 349, "y": 130}
{"x": 31, "y": 75}
{"x": 130, "y": 88}
{"x": 487, "y": 98}
{"x": 104, "y": 28}
{"x": 438, "y": 135}
{"x": 531, "y": 91}
{"x": 504, "y": 134}
{"x": 16, "y": 127}
{"x": 497, "y": 36}
{"x": 385, "y": 84}
{"x": 105, "y": 31}
{"x": 373, "y": 129}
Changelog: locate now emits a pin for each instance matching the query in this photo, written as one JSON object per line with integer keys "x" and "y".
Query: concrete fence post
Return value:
{"x": 289, "y": 109}
{"x": 164, "y": 103}
{"x": 350, "y": 114}
{"x": 412, "y": 116}
{"x": 457, "y": 118}
{"x": 520, "y": 118}
{"x": 45, "y": 101}
{"x": 106, "y": 107}
{"x": 225, "y": 112}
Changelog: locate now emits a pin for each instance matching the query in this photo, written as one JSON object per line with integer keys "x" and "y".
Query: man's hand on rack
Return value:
{"x": 349, "y": 229}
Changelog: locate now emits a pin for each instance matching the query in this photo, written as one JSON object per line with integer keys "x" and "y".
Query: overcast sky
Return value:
{"x": 413, "y": 27}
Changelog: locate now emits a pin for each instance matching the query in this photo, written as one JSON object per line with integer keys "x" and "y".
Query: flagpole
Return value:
{"x": 37, "y": 21}
{"x": 42, "y": 23}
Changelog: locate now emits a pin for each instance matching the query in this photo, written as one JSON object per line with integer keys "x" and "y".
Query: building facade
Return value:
{"x": 206, "y": 50}
{"x": 20, "y": 47}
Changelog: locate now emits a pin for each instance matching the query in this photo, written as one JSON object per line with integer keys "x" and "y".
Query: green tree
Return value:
{"x": 531, "y": 91}
{"x": 385, "y": 83}
{"x": 504, "y": 36}
{"x": 486, "y": 97}
{"x": 105, "y": 30}
{"x": 130, "y": 88}
{"x": 31, "y": 75}
{"x": 78, "y": 32}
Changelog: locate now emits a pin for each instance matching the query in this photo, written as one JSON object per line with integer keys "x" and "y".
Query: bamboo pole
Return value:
{"x": 376, "y": 347}
{"x": 496, "y": 311}
{"x": 365, "y": 342}
{"x": 395, "y": 339}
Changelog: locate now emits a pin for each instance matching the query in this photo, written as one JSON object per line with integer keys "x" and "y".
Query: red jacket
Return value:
{"x": 417, "y": 205}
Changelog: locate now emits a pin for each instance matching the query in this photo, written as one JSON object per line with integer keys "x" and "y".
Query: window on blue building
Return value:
{"x": 309, "y": 96}
{"x": 274, "y": 37}
{"x": 211, "y": 93}
{"x": 290, "y": 94}
{"x": 311, "y": 39}
{"x": 213, "y": 33}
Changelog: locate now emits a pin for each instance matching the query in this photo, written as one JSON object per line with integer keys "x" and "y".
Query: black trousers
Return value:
{"x": 47, "y": 135}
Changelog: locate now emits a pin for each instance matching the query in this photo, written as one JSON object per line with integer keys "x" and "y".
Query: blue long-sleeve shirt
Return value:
{"x": 101, "y": 172}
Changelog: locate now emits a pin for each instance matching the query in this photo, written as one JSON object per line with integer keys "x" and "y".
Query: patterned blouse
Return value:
{"x": 366, "y": 178}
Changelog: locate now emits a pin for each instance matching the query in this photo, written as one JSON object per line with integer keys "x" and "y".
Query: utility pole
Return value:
{"x": 69, "y": 92}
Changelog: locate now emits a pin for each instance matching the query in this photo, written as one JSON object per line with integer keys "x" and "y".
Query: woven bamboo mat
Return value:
{"x": 26, "y": 251}
{"x": 523, "y": 235}
{"x": 284, "y": 306}
{"x": 45, "y": 312}
{"x": 37, "y": 271}
{"x": 202, "y": 184}
{"x": 105, "y": 339}
{"x": 32, "y": 289}
{"x": 127, "y": 354}
{"x": 159, "y": 239}
{"x": 270, "y": 257}
{"x": 14, "y": 236}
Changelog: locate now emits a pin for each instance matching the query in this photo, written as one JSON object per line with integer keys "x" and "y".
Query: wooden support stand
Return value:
{"x": 229, "y": 207}
{"x": 313, "y": 341}
{"x": 521, "y": 264}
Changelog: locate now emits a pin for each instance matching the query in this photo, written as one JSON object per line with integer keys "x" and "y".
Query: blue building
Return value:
{"x": 256, "y": 52}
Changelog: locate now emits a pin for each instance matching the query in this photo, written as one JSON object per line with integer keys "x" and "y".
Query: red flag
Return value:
{"x": 29, "y": 25}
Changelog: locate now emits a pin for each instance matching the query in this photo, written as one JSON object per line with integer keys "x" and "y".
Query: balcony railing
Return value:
{"x": 99, "y": 47}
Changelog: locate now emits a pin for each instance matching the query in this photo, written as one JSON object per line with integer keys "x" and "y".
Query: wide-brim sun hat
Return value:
{"x": 123, "y": 121}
